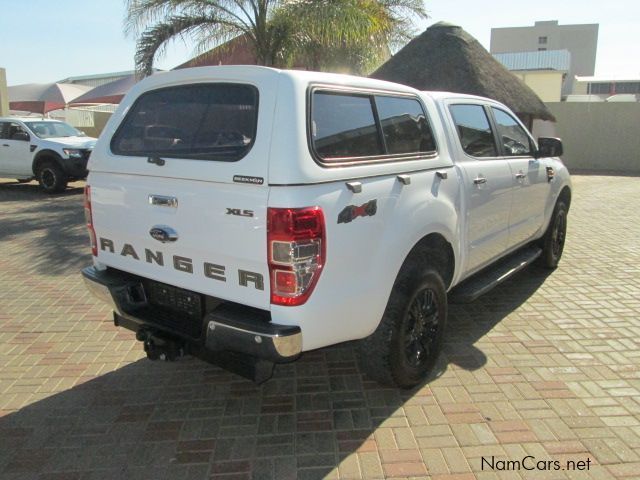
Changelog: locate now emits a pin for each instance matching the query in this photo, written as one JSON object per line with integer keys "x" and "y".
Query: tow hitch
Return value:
{"x": 159, "y": 347}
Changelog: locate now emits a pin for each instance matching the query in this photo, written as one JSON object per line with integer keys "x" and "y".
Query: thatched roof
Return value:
{"x": 445, "y": 57}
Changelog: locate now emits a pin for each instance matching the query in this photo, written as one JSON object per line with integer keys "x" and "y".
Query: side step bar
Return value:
{"x": 494, "y": 275}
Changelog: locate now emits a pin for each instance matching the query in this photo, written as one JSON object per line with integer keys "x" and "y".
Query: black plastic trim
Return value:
{"x": 238, "y": 325}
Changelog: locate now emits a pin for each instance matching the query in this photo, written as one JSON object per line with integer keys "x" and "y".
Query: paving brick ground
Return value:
{"x": 546, "y": 366}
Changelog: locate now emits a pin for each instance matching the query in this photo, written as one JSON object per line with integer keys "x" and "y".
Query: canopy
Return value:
{"x": 43, "y": 97}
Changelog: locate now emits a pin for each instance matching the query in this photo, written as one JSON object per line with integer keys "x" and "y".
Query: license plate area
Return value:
{"x": 184, "y": 301}
{"x": 173, "y": 308}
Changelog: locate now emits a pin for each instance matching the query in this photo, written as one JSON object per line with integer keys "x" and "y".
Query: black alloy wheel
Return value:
{"x": 421, "y": 332}
{"x": 404, "y": 349}
{"x": 559, "y": 233}
{"x": 552, "y": 243}
{"x": 52, "y": 178}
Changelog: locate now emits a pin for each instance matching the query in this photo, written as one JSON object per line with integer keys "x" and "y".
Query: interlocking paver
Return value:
{"x": 546, "y": 365}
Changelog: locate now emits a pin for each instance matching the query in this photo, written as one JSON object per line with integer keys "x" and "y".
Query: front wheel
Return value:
{"x": 52, "y": 178}
{"x": 405, "y": 347}
{"x": 554, "y": 238}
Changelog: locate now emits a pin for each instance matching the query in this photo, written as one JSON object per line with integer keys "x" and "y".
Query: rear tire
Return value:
{"x": 553, "y": 241}
{"x": 405, "y": 347}
{"x": 52, "y": 178}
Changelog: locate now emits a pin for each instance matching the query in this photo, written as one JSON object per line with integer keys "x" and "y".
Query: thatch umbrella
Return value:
{"x": 445, "y": 57}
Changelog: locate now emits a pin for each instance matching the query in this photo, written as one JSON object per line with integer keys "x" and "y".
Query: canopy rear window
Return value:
{"x": 203, "y": 122}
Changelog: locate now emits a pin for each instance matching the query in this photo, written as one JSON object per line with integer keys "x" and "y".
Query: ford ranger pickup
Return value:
{"x": 50, "y": 151}
{"x": 246, "y": 215}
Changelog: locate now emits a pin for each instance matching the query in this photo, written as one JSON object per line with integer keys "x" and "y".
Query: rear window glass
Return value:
{"x": 344, "y": 126}
{"x": 204, "y": 122}
{"x": 404, "y": 125}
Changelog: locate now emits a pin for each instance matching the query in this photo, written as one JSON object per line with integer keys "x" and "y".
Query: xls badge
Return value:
{"x": 239, "y": 213}
{"x": 351, "y": 212}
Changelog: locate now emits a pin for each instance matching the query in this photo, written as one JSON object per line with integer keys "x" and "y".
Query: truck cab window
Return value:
{"x": 514, "y": 139}
{"x": 474, "y": 130}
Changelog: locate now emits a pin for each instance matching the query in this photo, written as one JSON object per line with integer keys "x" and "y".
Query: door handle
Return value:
{"x": 480, "y": 180}
{"x": 163, "y": 201}
{"x": 520, "y": 175}
{"x": 157, "y": 160}
{"x": 5, "y": 144}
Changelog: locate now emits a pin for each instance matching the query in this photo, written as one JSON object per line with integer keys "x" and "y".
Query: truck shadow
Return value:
{"x": 11, "y": 191}
{"x": 191, "y": 419}
{"x": 470, "y": 322}
{"x": 47, "y": 229}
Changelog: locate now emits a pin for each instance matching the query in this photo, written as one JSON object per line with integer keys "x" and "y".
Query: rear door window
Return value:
{"x": 203, "y": 122}
{"x": 474, "y": 130}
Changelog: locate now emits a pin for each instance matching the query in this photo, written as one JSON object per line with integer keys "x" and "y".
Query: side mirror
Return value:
{"x": 22, "y": 136}
{"x": 549, "y": 147}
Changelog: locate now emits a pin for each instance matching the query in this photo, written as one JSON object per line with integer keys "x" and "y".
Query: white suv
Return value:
{"x": 246, "y": 215}
{"x": 51, "y": 151}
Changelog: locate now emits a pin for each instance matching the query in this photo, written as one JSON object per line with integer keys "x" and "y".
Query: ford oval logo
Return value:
{"x": 163, "y": 233}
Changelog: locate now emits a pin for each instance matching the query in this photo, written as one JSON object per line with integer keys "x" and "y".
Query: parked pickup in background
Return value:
{"x": 50, "y": 151}
{"x": 246, "y": 215}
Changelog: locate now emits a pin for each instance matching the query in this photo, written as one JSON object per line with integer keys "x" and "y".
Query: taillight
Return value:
{"x": 296, "y": 244}
{"x": 88, "y": 216}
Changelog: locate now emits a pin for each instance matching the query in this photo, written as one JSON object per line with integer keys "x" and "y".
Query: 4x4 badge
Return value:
{"x": 163, "y": 233}
{"x": 351, "y": 212}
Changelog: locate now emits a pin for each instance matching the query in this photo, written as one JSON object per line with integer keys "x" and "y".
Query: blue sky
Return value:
{"x": 47, "y": 40}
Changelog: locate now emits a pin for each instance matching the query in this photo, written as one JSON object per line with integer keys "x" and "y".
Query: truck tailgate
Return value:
{"x": 220, "y": 249}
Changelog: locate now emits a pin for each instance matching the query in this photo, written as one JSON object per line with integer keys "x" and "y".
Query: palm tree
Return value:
{"x": 352, "y": 34}
{"x": 320, "y": 34}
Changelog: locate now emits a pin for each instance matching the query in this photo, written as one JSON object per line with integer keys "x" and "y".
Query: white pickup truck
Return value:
{"x": 50, "y": 151}
{"x": 245, "y": 215}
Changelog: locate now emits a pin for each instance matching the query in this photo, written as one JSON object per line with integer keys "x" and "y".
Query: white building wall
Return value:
{"x": 580, "y": 40}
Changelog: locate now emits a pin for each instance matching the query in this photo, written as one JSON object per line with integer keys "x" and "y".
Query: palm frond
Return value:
{"x": 143, "y": 13}
{"x": 153, "y": 41}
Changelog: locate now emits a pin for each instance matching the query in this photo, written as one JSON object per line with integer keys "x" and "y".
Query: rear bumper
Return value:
{"x": 227, "y": 328}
